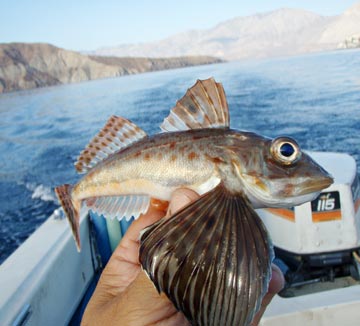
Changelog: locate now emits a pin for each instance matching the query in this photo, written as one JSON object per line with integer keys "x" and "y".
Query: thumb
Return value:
{"x": 180, "y": 198}
{"x": 141, "y": 303}
{"x": 144, "y": 305}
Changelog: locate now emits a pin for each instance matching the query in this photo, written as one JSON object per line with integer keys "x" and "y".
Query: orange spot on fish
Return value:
{"x": 172, "y": 145}
{"x": 147, "y": 156}
{"x": 217, "y": 160}
{"x": 192, "y": 156}
{"x": 260, "y": 184}
{"x": 253, "y": 173}
{"x": 289, "y": 189}
{"x": 90, "y": 201}
{"x": 173, "y": 157}
{"x": 159, "y": 156}
{"x": 183, "y": 149}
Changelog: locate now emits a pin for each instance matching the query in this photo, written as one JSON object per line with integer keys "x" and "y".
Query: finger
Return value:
{"x": 128, "y": 248}
{"x": 177, "y": 319}
{"x": 277, "y": 281}
{"x": 141, "y": 304}
{"x": 276, "y": 284}
{"x": 124, "y": 266}
{"x": 181, "y": 198}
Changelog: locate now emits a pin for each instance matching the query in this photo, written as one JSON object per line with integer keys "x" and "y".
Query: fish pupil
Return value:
{"x": 287, "y": 150}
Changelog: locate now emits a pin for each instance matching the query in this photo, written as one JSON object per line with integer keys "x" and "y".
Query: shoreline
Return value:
{"x": 25, "y": 66}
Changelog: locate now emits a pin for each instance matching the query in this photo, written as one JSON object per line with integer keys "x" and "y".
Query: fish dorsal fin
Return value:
{"x": 203, "y": 106}
{"x": 117, "y": 133}
{"x": 119, "y": 206}
{"x": 215, "y": 261}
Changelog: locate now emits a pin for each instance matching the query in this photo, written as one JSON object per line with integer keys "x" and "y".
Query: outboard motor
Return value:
{"x": 319, "y": 241}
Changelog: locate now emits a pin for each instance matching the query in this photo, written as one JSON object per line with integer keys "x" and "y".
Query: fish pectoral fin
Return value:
{"x": 203, "y": 106}
{"x": 119, "y": 206}
{"x": 212, "y": 259}
{"x": 117, "y": 133}
{"x": 71, "y": 209}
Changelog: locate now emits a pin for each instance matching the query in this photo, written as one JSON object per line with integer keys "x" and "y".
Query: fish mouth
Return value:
{"x": 315, "y": 185}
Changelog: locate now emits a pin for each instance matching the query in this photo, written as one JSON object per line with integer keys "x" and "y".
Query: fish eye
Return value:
{"x": 285, "y": 150}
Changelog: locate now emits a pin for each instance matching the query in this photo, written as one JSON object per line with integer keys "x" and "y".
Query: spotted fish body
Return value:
{"x": 213, "y": 258}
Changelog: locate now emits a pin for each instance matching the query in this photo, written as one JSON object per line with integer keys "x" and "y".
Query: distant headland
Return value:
{"x": 32, "y": 65}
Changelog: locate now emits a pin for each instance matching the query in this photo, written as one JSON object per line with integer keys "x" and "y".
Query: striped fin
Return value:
{"x": 119, "y": 206}
{"x": 203, "y": 106}
{"x": 71, "y": 209}
{"x": 116, "y": 135}
{"x": 212, "y": 259}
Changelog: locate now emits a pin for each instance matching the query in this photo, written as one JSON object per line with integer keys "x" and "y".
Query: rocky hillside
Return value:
{"x": 280, "y": 32}
{"x": 25, "y": 66}
{"x": 131, "y": 65}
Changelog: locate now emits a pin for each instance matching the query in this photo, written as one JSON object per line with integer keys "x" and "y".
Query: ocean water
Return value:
{"x": 313, "y": 98}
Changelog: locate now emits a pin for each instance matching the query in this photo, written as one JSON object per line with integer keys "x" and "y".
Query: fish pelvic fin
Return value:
{"x": 212, "y": 259}
{"x": 119, "y": 206}
{"x": 117, "y": 134}
{"x": 203, "y": 106}
{"x": 71, "y": 209}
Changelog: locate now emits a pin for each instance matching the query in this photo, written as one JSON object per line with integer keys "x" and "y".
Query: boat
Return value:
{"x": 46, "y": 281}
{"x": 317, "y": 246}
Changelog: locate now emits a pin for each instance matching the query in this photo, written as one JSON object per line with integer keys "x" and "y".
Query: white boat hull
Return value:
{"x": 44, "y": 280}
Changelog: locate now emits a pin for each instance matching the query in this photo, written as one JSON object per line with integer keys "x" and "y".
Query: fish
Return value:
{"x": 213, "y": 257}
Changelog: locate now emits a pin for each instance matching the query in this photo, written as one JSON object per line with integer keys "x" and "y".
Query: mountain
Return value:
{"x": 343, "y": 26}
{"x": 25, "y": 66}
{"x": 280, "y": 32}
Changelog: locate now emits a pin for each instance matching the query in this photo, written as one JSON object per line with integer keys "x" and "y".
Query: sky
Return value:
{"x": 84, "y": 25}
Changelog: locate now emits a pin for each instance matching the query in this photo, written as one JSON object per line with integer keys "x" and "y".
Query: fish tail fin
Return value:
{"x": 71, "y": 209}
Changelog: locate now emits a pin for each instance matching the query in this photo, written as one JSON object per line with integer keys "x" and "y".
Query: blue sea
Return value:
{"x": 313, "y": 98}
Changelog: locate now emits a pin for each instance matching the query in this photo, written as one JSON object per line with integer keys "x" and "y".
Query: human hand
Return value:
{"x": 126, "y": 296}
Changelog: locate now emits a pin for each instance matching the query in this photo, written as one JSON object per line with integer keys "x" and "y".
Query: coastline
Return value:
{"x": 33, "y": 65}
